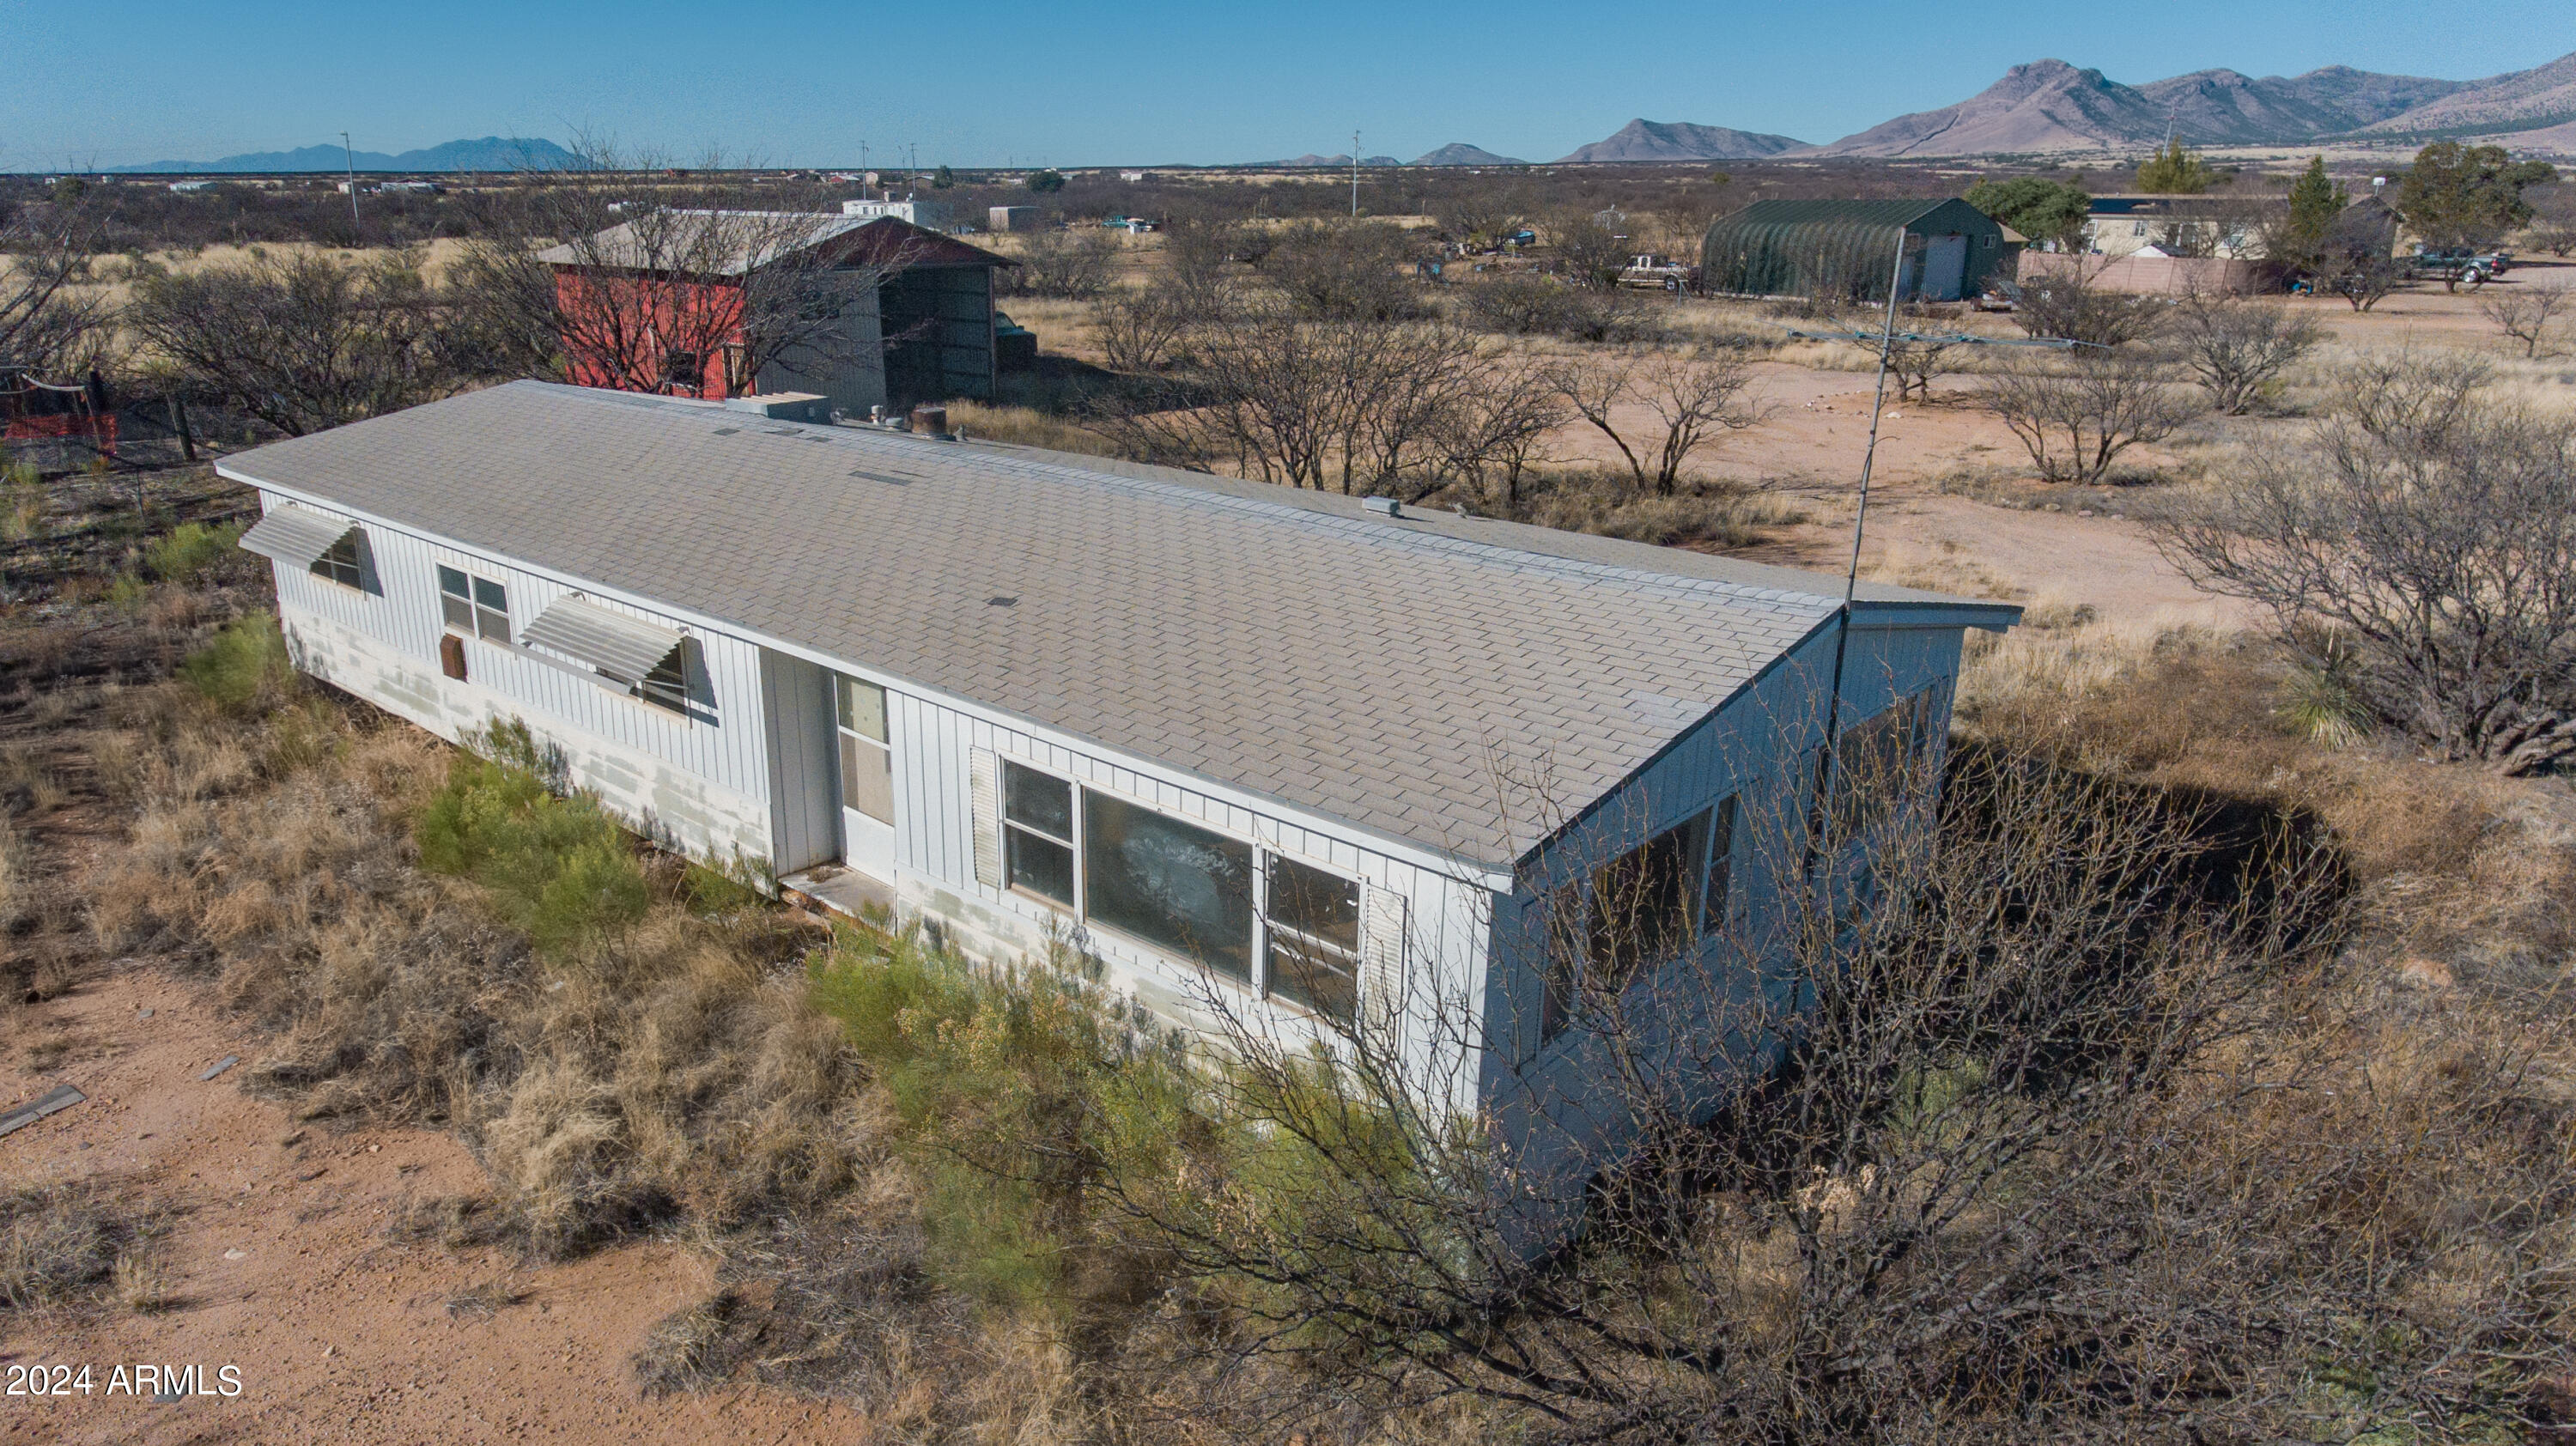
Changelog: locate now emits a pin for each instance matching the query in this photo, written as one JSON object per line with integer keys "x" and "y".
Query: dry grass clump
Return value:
{"x": 2472, "y": 870}
{"x": 1026, "y": 427}
{"x": 71, "y": 1243}
{"x": 1707, "y": 514}
{"x": 611, "y": 1071}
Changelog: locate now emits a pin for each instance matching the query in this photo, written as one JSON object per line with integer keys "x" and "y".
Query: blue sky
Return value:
{"x": 111, "y": 82}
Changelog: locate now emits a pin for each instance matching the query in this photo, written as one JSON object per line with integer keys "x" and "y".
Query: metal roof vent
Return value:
{"x": 1383, "y": 506}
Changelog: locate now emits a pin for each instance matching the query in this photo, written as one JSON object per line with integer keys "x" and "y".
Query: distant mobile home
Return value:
{"x": 1241, "y": 740}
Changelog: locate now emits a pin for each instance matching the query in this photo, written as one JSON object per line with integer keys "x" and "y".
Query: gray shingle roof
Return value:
{"x": 1285, "y": 642}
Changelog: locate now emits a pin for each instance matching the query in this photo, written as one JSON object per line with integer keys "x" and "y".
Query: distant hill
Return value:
{"x": 2542, "y": 96}
{"x": 1459, "y": 153}
{"x": 2049, "y": 105}
{"x": 1311, "y": 159}
{"x": 1645, "y": 140}
{"x": 491, "y": 153}
{"x": 2220, "y": 107}
{"x": 2046, "y": 105}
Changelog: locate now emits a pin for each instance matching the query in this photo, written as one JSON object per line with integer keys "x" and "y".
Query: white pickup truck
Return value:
{"x": 1658, "y": 273}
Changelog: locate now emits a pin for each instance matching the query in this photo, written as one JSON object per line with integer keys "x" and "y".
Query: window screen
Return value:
{"x": 1171, "y": 884}
{"x": 1721, "y": 868}
{"x": 667, "y": 686}
{"x": 1645, "y": 905}
{"x": 1037, "y": 833}
{"x": 474, "y": 605}
{"x": 1314, "y": 953}
{"x": 1876, "y": 763}
{"x": 867, "y": 763}
{"x": 345, "y": 563}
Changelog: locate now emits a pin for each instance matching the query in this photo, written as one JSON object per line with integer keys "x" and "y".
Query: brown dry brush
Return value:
{"x": 661, "y": 1072}
{"x": 2075, "y": 1138}
{"x": 2427, "y": 533}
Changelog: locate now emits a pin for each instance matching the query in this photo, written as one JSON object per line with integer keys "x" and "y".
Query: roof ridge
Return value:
{"x": 1365, "y": 530}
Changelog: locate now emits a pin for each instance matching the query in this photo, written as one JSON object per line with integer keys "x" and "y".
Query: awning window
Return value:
{"x": 624, "y": 649}
{"x": 296, "y": 536}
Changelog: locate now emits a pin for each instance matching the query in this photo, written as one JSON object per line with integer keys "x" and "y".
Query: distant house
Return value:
{"x": 930, "y": 215}
{"x": 1848, "y": 249}
{"x": 1249, "y": 743}
{"x": 2228, "y": 227}
{"x": 923, "y": 333}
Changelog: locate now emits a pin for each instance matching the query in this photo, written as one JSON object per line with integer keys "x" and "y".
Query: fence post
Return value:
{"x": 179, "y": 424}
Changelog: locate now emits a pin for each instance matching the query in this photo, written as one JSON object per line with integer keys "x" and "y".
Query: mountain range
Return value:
{"x": 1459, "y": 153}
{"x": 2045, "y": 105}
{"x": 1339, "y": 159}
{"x": 2049, "y": 105}
{"x": 491, "y": 153}
{"x": 1645, "y": 140}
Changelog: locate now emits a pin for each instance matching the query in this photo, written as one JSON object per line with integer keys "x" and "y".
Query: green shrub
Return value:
{"x": 558, "y": 867}
{"x": 190, "y": 549}
{"x": 1016, "y": 1090}
{"x": 246, "y": 668}
{"x": 128, "y": 593}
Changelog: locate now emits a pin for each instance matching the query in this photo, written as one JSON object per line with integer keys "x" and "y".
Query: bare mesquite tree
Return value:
{"x": 1067, "y": 265}
{"x": 1229, "y": 368}
{"x": 1312, "y": 403}
{"x": 651, "y": 283}
{"x": 1925, "y": 349}
{"x": 1591, "y": 253}
{"x": 2077, "y": 414}
{"x": 2235, "y": 346}
{"x": 1694, "y": 398}
{"x": 2527, "y": 314}
{"x": 302, "y": 341}
{"x": 2073, "y": 305}
{"x": 2430, "y": 534}
{"x": 1965, "y": 1162}
{"x": 48, "y": 321}
{"x": 1489, "y": 436}
{"x": 1355, "y": 271}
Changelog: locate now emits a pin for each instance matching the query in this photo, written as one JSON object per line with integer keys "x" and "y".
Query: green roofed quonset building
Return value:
{"x": 1847, "y": 250}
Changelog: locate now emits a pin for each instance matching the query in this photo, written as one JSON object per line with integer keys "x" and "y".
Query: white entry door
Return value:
{"x": 867, "y": 780}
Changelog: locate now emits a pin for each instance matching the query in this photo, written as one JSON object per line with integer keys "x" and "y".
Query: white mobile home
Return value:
{"x": 1242, "y": 738}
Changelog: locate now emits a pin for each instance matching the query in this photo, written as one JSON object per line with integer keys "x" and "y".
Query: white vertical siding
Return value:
{"x": 699, "y": 783}
{"x": 935, "y": 867}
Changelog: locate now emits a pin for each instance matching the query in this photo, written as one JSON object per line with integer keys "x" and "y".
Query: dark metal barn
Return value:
{"x": 1846, "y": 250}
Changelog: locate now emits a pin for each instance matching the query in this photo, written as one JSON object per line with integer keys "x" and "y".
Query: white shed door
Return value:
{"x": 1945, "y": 268}
{"x": 867, "y": 779}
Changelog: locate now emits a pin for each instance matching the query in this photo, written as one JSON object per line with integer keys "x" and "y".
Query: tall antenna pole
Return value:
{"x": 1860, "y": 516}
{"x": 351, "y": 157}
{"x": 1355, "y": 175}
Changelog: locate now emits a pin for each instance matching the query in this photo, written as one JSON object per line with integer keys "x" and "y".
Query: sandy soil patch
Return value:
{"x": 278, "y": 1257}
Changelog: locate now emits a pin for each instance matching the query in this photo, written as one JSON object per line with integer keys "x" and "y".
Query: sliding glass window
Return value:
{"x": 1314, "y": 929}
{"x": 1037, "y": 833}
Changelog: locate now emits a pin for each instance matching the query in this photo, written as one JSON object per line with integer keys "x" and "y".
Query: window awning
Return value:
{"x": 295, "y": 535}
{"x": 623, "y": 648}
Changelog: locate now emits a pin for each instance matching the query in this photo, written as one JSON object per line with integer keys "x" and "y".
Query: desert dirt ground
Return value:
{"x": 280, "y": 1264}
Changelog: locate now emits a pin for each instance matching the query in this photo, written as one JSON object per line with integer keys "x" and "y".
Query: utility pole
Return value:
{"x": 1355, "y": 175}
{"x": 351, "y": 157}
